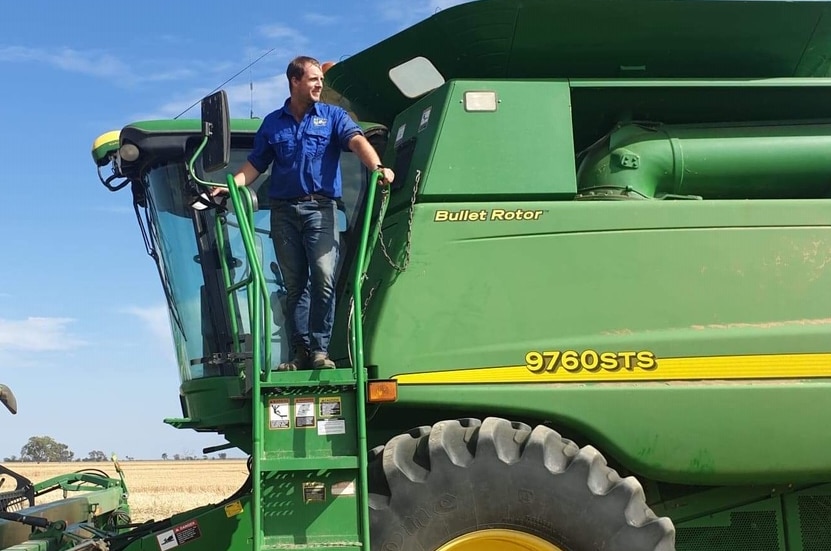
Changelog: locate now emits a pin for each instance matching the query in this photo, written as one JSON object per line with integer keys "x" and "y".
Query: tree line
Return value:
{"x": 45, "y": 449}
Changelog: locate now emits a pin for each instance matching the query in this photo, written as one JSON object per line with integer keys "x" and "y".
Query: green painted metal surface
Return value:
{"x": 631, "y": 424}
{"x": 90, "y": 505}
{"x": 532, "y": 125}
{"x": 736, "y": 161}
{"x": 594, "y": 39}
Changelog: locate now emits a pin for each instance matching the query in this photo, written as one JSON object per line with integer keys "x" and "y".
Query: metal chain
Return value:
{"x": 350, "y": 317}
{"x": 366, "y": 302}
{"x": 408, "y": 244}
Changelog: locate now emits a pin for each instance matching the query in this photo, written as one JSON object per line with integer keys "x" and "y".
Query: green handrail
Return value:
{"x": 258, "y": 306}
{"x": 226, "y": 279}
{"x": 259, "y": 316}
{"x": 357, "y": 338}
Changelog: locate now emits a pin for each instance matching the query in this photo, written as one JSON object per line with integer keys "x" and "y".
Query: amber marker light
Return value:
{"x": 382, "y": 391}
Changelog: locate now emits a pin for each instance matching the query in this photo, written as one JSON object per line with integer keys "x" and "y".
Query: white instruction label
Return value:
{"x": 343, "y": 488}
{"x": 331, "y": 426}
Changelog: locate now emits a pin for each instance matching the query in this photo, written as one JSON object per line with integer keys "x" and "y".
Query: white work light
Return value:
{"x": 480, "y": 101}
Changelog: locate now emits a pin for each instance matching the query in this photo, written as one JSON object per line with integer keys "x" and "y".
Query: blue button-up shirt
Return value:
{"x": 304, "y": 156}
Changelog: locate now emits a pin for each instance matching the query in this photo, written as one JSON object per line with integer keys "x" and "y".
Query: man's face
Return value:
{"x": 310, "y": 85}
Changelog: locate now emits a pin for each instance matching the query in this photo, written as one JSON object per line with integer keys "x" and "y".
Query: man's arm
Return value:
{"x": 366, "y": 153}
{"x": 244, "y": 176}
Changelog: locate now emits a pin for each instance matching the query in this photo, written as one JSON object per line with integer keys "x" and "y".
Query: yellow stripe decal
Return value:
{"x": 763, "y": 366}
{"x": 110, "y": 137}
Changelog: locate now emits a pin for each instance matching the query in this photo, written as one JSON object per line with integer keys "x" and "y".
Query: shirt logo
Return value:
{"x": 319, "y": 121}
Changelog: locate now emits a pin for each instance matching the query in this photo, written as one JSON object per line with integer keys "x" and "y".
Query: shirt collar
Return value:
{"x": 284, "y": 110}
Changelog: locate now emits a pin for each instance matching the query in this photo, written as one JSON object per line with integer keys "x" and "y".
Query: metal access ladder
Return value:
{"x": 309, "y": 460}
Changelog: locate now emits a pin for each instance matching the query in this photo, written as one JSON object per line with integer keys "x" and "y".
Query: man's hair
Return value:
{"x": 297, "y": 67}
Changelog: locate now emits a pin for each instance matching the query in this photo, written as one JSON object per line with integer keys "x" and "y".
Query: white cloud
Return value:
{"x": 94, "y": 63}
{"x": 155, "y": 319}
{"x": 320, "y": 19}
{"x": 89, "y": 63}
{"x": 268, "y": 95}
{"x": 289, "y": 37}
{"x": 38, "y": 335}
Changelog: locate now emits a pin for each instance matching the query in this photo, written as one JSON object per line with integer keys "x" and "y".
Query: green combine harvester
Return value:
{"x": 592, "y": 312}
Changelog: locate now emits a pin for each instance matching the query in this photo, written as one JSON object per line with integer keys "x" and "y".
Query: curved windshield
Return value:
{"x": 212, "y": 325}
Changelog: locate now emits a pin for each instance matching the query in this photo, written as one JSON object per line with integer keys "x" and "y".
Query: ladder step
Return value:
{"x": 182, "y": 423}
{"x": 308, "y": 463}
{"x": 343, "y": 546}
{"x": 310, "y": 378}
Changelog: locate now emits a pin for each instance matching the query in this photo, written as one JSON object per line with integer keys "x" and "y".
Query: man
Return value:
{"x": 302, "y": 141}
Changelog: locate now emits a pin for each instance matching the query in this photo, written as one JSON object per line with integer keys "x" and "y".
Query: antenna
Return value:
{"x": 251, "y": 90}
{"x": 194, "y": 104}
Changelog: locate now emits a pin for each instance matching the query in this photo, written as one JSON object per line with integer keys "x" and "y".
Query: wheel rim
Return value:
{"x": 498, "y": 540}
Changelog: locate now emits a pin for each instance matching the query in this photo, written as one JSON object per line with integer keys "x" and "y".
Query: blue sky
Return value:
{"x": 84, "y": 338}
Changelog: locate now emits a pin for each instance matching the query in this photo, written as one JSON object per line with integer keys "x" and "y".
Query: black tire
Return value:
{"x": 437, "y": 483}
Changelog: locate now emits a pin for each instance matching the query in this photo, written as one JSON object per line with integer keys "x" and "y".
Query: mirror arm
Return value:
{"x": 113, "y": 176}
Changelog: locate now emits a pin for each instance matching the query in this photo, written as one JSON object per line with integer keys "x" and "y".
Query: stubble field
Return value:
{"x": 157, "y": 488}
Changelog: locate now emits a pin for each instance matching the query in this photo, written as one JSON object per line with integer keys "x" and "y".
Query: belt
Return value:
{"x": 312, "y": 197}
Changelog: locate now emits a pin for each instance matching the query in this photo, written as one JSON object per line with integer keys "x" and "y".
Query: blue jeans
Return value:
{"x": 305, "y": 237}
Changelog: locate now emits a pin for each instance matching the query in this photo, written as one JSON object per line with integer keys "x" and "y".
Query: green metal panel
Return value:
{"x": 289, "y": 438}
{"x": 756, "y": 527}
{"x": 698, "y": 280}
{"x": 309, "y": 461}
{"x": 308, "y": 507}
{"x": 193, "y": 126}
{"x": 215, "y": 401}
{"x": 225, "y": 526}
{"x": 808, "y": 518}
{"x": 593, "y": 39}
{"x": 665, "y": 431}
{"x": 678, "y": 278}
{"x": 482, "y": 154}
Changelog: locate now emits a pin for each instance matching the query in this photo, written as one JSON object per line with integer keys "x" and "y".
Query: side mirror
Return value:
{"x": 216, "y": 126}
{"x": 7, "y": 399}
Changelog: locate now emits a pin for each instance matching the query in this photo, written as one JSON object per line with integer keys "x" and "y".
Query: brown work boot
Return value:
{"x": 320, "y": 360}
{"x": 300, "y": 361}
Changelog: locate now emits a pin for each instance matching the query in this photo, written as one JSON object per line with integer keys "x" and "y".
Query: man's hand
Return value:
{"x": 386, "y": 176}
{"x": 246, "y": 175}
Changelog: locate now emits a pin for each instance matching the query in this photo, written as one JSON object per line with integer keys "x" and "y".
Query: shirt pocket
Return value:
{"x": 285, "y": 148}
{"x": 316, "y": 141}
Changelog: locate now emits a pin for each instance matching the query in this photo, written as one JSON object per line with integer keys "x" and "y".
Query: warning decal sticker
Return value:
{"x": 278, "y": 414}
{"x": 330, "y": 406}
{"x": 304, "y": 413}
{"x": 180, "y": 535}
